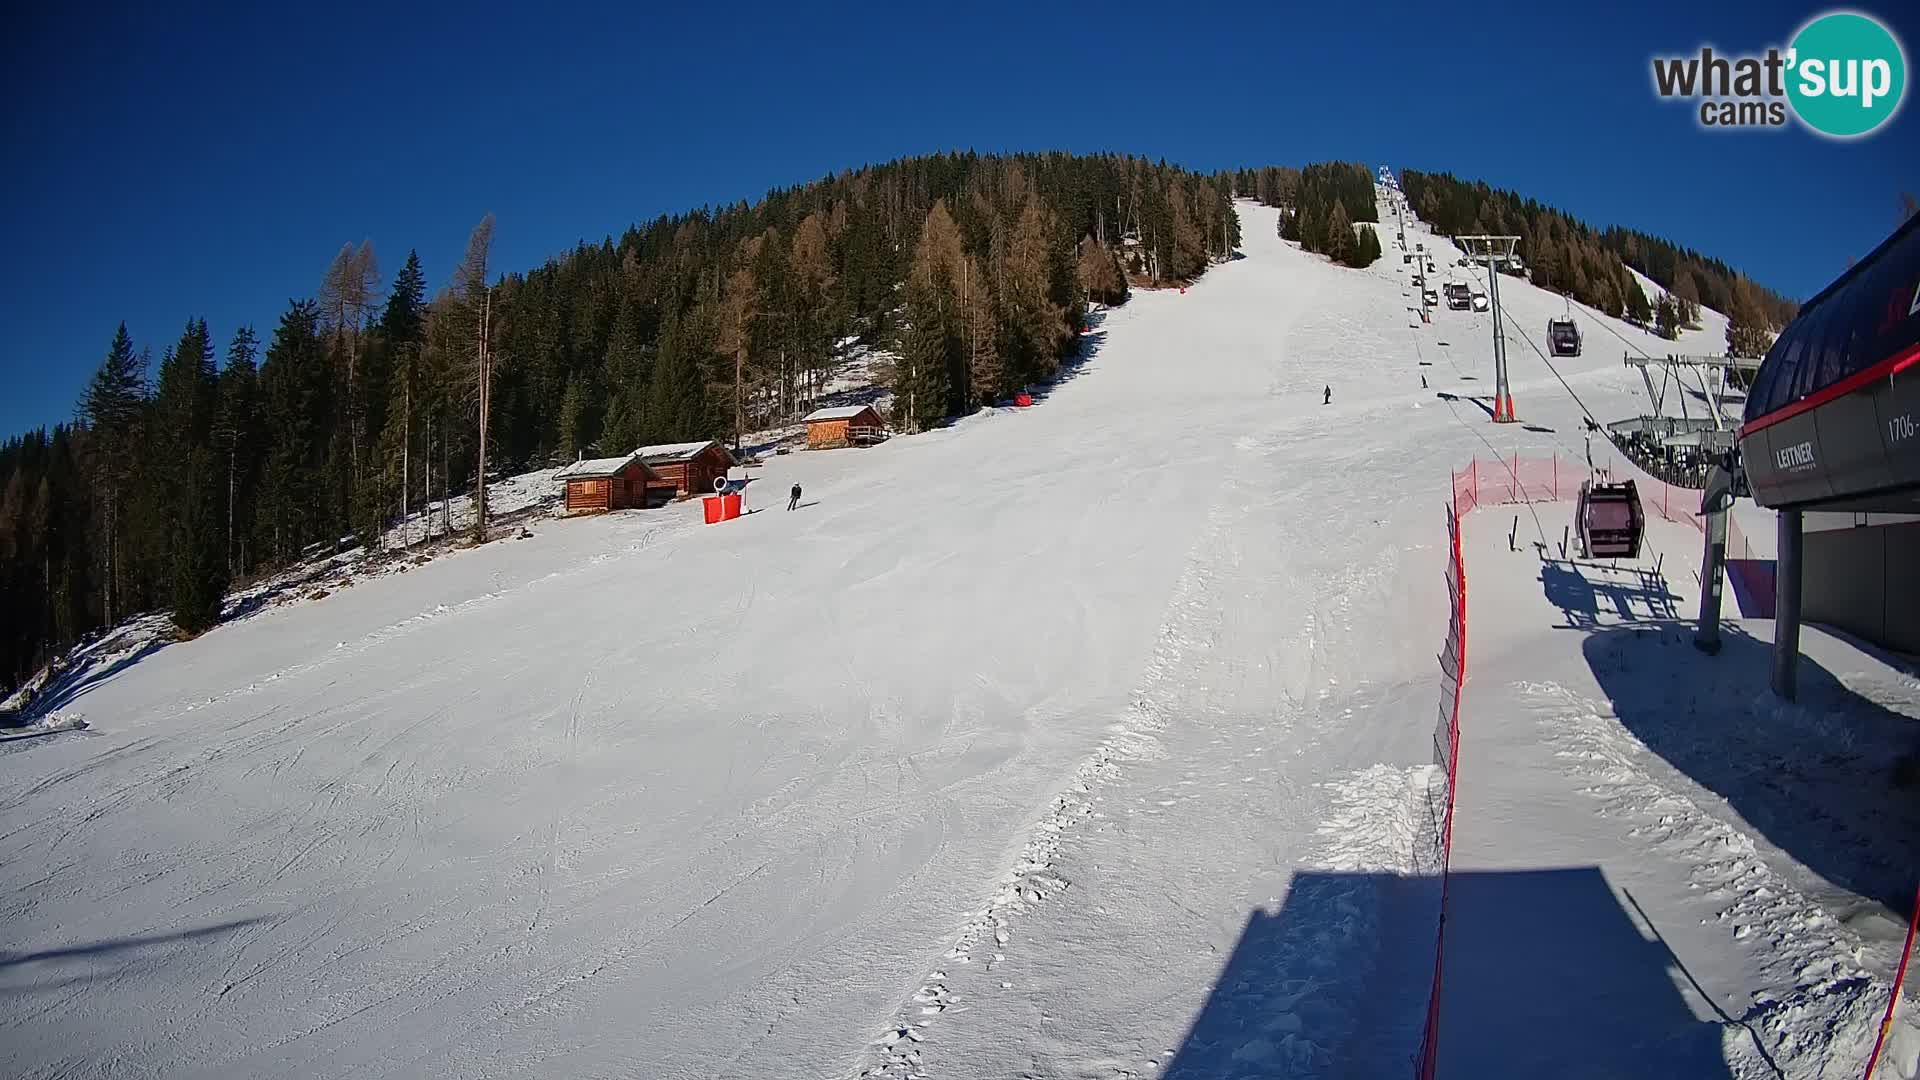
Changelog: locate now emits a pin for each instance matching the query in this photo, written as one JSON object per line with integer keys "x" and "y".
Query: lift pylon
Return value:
{"x": 1495, "y": 250}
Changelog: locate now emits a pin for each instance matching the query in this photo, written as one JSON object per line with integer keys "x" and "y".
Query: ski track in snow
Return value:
{"x": 1032, "y": 880}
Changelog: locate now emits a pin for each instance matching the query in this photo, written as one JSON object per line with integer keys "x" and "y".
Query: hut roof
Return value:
{"x": 596, "y": 468}
{"x": 672, "y": 453}
{"x": 842, "y": 412}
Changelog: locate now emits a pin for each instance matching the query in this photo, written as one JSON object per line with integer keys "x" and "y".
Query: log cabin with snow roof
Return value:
{"x": 848, "y": 425}
{"x": 597, "y": 485}
{"x": 688, "y": 468}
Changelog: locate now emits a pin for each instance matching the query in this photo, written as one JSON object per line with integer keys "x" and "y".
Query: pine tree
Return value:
{"x": 293, "y": 391}
{"x": 239, "y": 441}
{"x": 677, "y": 404}
{"x": 814, "y": 302}
{"x": 573, "y": 418}
{"x": 1666, "y": 317}
{"x": 1366, "y": 248}
{"x": 1189, "y": 239}
{"x": 925, "y": 385}
{"x": 184, "y": 406}
{"x": 112, "y": 407}
{"x": 627, "y": 374}
{"x": 1639, "y": 310}
{"x": 401, "y": 322}
{"x": 403, "y": 418}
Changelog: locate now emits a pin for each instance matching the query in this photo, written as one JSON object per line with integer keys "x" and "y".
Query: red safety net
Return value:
{"x": 1446, "y": 754}
{"x": 1516, "y": 480}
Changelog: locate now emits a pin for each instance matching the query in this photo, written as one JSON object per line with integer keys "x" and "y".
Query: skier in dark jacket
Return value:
{"x": 1328, "y": 400}
{"x": 793, "y": 497}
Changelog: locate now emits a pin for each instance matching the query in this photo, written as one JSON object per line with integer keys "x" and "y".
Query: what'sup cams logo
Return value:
{"x": 1843, "y": 76}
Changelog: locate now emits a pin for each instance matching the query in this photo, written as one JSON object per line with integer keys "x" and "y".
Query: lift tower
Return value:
{"x": 1495, "y": 250}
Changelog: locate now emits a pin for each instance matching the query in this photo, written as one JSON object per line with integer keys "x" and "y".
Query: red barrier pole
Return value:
{"x": 1899, "y": 977}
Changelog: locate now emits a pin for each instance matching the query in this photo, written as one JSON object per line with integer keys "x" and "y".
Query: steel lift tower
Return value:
{"x": 1495, "y": 250}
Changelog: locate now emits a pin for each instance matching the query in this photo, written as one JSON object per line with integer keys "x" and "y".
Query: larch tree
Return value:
{"x": 346, "y": 295}
{"x": 1748, "y": 334}
{"x": 473, "y": 297}
{"x": 1099, "y": 275}
{"x": 986, "y": 375}
{"x": 739, "y": 317}
{"x": 1339, "y": 234}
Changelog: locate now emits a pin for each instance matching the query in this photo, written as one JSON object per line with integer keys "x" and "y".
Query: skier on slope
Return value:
{"x": 1328, "y": 400}
{"x": 793, "y": 497}
{"x": 1423, "y": 382}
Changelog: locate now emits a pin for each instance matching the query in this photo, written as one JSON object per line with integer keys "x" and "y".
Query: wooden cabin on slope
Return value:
{"x": 602, "y": 484}
{"x": 848, "y": 425}
{"x": 689, "y": 468}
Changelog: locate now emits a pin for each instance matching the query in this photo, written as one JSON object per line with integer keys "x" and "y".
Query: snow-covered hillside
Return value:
{"x": 1090, "y": 739}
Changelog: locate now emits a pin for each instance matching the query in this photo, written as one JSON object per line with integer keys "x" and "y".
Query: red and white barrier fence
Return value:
{"x": 1446, "y": 754}
{"x": 1517, "y": 480}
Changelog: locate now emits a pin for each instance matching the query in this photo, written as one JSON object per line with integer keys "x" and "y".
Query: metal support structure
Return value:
{"x": 1496, "y": 250}
{"x": 1786, "y": 607}
{"x": 1714, "y": 503}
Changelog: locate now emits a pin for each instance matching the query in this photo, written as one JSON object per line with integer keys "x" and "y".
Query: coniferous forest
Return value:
{"x": 1590, "y": 265}
{"x": 236, "y": 451}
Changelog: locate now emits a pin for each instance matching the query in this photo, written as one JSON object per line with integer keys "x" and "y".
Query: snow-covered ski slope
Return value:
{"x": 1083, "y": 740}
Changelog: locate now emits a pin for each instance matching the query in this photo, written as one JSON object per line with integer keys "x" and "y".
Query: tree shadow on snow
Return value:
{"x": 1072, "y": 367}
{"x": 53, "y": 969}
{"x": 1546, "y": 975}
{"x": 82, "y": 679}
{"x": 1815, "y": 777}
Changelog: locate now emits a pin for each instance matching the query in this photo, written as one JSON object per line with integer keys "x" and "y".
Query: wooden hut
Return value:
{"x": 687, "y": 468}
{"x": 603, "y": 484}
{"x": 848, "y": 425}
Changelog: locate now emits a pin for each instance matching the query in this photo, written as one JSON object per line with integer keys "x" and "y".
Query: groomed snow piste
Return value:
{"x": 1090, "y": 739}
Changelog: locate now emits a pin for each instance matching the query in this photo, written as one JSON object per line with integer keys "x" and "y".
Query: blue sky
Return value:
{"x": 208, "y": 160}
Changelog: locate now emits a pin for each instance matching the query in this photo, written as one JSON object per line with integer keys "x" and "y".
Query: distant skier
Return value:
{"x": 793, "y": 497}
{"x": 1328, "y": 400}
{"x": 1423, "y": 382}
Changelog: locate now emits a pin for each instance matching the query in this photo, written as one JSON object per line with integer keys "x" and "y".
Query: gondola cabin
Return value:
{"x": 848, "y": 425}
{"x": 687, "y": 468}
{"x": 1563, "y": 337}
{"x": 1610, "y": 520}
{"x": 601, "y": 484}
